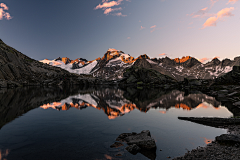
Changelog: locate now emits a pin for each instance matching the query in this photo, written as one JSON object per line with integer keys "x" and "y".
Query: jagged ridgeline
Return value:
{"x": 114, "y": 67}
{"x": 18, "y": 69}
{"x": 114, "y": 64}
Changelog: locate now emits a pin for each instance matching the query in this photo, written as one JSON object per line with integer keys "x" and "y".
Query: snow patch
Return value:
{"x": 150, "y": 61}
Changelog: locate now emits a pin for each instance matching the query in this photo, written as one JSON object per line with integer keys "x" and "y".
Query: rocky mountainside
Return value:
{"x": 16, "y": 69}
{"x": 114, "y": 64}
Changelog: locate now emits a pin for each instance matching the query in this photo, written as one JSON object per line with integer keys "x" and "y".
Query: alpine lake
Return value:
{"x": 82, "y": 123}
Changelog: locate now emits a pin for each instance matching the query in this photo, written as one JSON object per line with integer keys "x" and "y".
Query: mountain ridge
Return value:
{"x": 114, "y": 63}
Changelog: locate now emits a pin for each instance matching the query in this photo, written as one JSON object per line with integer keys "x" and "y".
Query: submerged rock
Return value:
{"x": 116, "y": 145}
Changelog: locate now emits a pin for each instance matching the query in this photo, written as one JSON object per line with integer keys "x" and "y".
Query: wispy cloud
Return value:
{"x": 119, "y": 14}
{"x": 153, "y": 28}
{"x": 213, "y": 2}
{"x": 163, "y": 54}
{"x": 202, "y": 60}
{"x": 128, "y": 37}
{"x": 4, "y": 14}
{"x": 232, "y": 1}
{"x": 141, "y": 28}
{"x": 212, "y": 21}
{"x": 108, "y": 10}
{"x": 202, "y": 13}
{"x": 107, "y": 6}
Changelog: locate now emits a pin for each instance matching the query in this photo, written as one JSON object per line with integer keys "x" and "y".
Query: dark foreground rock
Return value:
{"x": 139, "y": 143}
{"x": 142, "y": 140}
{"x": 228, "y": 139}
{"x": 225, "y": 147}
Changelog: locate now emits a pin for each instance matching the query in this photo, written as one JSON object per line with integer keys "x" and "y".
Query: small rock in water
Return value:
{"x": 139, "y": 142}
{"x": 116, "y": 145}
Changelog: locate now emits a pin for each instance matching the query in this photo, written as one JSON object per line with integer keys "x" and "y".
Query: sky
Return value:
{"x": 43, "y": 29}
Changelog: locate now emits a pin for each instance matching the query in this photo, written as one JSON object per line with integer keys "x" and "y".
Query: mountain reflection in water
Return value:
{"x": 114, "y": 104}
{"x": 32, "y": 128}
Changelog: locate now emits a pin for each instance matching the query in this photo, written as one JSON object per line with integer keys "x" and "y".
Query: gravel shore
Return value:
{"x": 215, "y": 150}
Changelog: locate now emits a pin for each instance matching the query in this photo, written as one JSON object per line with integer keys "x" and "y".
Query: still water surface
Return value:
{"x": 39, "y": 123}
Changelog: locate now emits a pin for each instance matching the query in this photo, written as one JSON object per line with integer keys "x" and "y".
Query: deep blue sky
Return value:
{"x": 74, "y": 29}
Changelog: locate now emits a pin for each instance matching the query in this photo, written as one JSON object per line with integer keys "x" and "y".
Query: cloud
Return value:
{"x": 226, "y": 12}
{"x": 108, "y": 10}
{"x": 232, "y": 1}
{"x": 7, "y": 16}
{"x": 213, "y": 2}
{"x": 212, "y": 21}
{"x": 4, "y": 14}
{"x": 202, "y": 13}
{"x": 107, "y": 4}
{"x": 128, "y": 37}
{"x": 119, "y": 14}
{"x": 153, "y": 26}
{"x": 4, "y": 6}
{"x": 203, "y": 60}
{"x": 142, "y": 28}
{"x": 163, "y": 54}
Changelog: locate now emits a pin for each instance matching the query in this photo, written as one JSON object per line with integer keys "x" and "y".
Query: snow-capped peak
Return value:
{"x": 113, "y": 50}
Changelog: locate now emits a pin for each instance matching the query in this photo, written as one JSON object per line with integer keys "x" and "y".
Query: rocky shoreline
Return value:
{"x": 224, "y": 147}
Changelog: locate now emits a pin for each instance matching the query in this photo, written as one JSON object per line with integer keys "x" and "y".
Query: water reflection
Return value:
{"x": 81, "y": 129}
{"x": 16, "y": 102}
{"x": 114, "y": 102}
{"x": 3, "y": 154}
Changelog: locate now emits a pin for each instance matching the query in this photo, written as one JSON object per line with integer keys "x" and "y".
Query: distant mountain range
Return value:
{"x": 114, "y": 64}
{"x": 115, "y": 67}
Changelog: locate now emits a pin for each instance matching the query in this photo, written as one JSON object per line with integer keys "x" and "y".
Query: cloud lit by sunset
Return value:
{"x": 3, "y": 13}
{"x": 194, "y": 29}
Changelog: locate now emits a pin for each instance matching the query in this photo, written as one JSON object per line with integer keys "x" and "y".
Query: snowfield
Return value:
{"x": 84, "y": 70}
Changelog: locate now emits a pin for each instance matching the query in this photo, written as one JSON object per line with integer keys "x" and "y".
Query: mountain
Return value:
{"x": 115, "y": 63}
{"x": 18, "y": 69}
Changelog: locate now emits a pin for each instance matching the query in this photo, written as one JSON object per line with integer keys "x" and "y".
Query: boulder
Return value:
{"x": 134, "y": 149}
{"x": 228, "y": 138}
{"x": 142, "y": 140}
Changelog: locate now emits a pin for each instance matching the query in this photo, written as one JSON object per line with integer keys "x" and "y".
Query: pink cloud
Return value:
{"x": 226, "y": 12}
{"x": 4, "y": 14}
{"x": 203, "y": 60}
{"x": 163, "y": 54}
{"x": 142, "y": 28}
{"x": 7, "y": 16}
{"x": 202, "y": 13}
{"x": 1, "y": 13}
{"x": 232, "y": 1}
{"x": 153, "y": 26}
{"x": 107, "y": 4}
{"x": 128, "y": 37}
{"x": 108, "y": 10}
{"x": 4, "y": 6}
{"x": 119, "y": 14}
{"x": 213, "y": 2}
{"x": 212, "y": 21}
